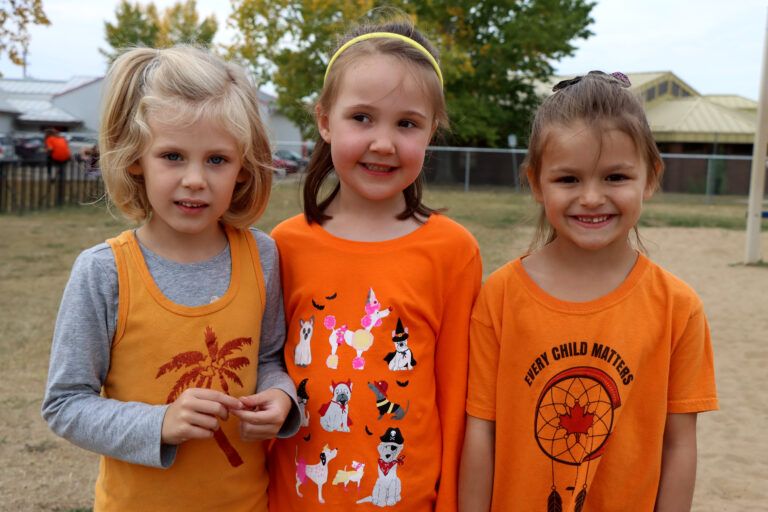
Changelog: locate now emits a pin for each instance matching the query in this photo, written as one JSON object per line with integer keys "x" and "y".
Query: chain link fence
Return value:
{"x": 29, "y": 187}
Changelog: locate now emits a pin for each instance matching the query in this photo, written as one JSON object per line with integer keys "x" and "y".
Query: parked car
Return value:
{"x": 7, "y": 150}
{"x": 30, "y": 147}
{"x": 293, "y": 156}
{"x": 287, "y": 166}
{"x": 80, "y": 144}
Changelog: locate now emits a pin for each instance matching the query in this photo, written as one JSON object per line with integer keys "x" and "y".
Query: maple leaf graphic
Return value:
{"x": 577, "y": 421}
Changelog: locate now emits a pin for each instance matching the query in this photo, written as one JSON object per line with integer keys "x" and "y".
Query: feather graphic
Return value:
{"x": 318, "y": 306}
{"x": 403, "y": 383}
{"x": 580, "y": 499}
{"x": 368, "y": 431}
{"x": 307, "y": 437}
{"x": 554, "y": 502}
{"x": 331, "y": 297}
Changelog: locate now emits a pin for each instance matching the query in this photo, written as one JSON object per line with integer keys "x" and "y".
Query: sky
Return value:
{"x": 714, "y": 46}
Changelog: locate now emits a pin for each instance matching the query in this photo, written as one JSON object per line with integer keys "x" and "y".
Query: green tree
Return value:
{"x": 15, "y": 18}
{"x": 141, "y": 25}
{"x": 181, "y": 24}
{"x": 492, "y": 53}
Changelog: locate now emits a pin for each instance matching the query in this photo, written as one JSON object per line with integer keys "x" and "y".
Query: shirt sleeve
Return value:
{"x": 272, "y": 372}
{"x": 451, "y": 360}
{"x": 483, "y": 361}
{"x": 691, "y": 372}
{"x": 80, "y": 357}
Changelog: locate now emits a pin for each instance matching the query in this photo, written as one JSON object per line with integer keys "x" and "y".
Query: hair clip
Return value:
{"x": 616, "y": 77}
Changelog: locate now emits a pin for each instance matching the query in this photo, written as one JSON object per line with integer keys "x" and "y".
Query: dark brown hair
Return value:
{"x": 320, "y": 164}
{"x": 601, "y": 102}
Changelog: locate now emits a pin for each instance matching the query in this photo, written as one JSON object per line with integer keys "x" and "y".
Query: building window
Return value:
{"x": 663, "y": 87}
{"x": 675, "y": 89}
{"x": 650, "y": 94}
{"x": 685, "y": 93}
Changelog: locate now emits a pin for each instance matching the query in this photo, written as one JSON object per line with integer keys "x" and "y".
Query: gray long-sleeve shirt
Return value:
{"x": 82, "y": 340}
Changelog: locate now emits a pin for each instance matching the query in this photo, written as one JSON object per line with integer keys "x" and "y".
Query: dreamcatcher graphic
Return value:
{"x": 574, "y": 418}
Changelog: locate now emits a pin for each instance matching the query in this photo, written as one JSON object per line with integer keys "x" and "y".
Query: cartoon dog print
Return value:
{"x": 361, "y": 339}
{"x": 302, "y": 355}
{"x": 344, "y": 477}
{"x": 318, "y": 473}
{"x": 387, "y": 489}
{"x": 335, "y": 339}
{"x": 303, "y": 398}
{"x": 334, "y": 415}
{"x": 383, "y": 404}
{"x": 401, "y": 358}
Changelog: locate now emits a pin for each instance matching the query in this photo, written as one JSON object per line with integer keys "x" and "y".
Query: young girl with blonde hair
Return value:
{"x": 166, "y": 354}
{"x": 588, "y": 362}
{"x": 378, "y": 291}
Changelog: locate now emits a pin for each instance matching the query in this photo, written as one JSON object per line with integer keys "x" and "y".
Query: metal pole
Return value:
{"x": 516, "y": 172}
{"x": 757, "y": 180}
{"x": 711, "y": 164}
{"x": 466, "y": 171}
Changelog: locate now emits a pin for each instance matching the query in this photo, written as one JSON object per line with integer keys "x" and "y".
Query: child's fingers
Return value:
{"x": 187, "y": 432}
{"x": 183, "y": 420}
{"x": 212, "y": 395}
{"x": 258, "y": 431}
{"x": 202, "y": 420}
{"x": 253, "y": 401}
{"x": 258, "y": 417}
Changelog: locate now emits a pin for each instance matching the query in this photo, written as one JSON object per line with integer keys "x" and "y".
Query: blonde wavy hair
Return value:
{"x": 183, "y": 84}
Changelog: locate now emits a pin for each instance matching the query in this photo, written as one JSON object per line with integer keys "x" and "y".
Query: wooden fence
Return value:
{"x": 33, "y": 187}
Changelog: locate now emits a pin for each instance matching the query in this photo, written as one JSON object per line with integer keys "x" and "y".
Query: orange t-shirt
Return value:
{"x": 160, "y": 349}
{"x": 580, "y": 392}
{"x": 377, "y": 343}
{"x": 58, "y": 147}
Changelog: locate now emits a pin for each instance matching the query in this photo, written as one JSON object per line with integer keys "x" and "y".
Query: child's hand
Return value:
{"x": 194, "y": 415}
{"x": 263, "y": 415}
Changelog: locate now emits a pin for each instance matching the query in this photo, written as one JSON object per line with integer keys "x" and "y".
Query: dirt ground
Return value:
{"x": 42, "y": 472}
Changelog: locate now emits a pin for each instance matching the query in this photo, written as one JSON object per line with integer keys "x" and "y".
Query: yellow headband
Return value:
{"x": 385, "y": 35}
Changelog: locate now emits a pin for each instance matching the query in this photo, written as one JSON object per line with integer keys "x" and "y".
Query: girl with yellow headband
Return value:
{"x": 378, "y": 289}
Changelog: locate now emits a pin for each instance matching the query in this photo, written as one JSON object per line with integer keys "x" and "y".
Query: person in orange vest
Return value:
{"x": 58, "y": 151}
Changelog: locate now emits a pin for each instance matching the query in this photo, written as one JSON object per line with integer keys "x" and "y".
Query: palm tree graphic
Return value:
{"x": 202, "y": 369}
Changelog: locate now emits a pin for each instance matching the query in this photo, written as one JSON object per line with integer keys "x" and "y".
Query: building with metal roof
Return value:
{"x": 685, "y": 122}
{"x": 30, "y": 105}
{"x": 678, "y": 113}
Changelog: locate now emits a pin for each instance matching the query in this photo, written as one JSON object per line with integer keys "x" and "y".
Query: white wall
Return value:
{"x": 83, "y": 103}
{"x": 283, "y": 133}
{"x": 6, "y": 122}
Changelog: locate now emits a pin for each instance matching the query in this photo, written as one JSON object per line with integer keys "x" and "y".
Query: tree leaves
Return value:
{"x": 492, "y": 52}
{"x": 141, "y": 25}
{"x": 14, "y": 22}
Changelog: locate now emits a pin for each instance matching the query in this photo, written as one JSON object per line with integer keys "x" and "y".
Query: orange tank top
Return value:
{"x": 161, "y": 348}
